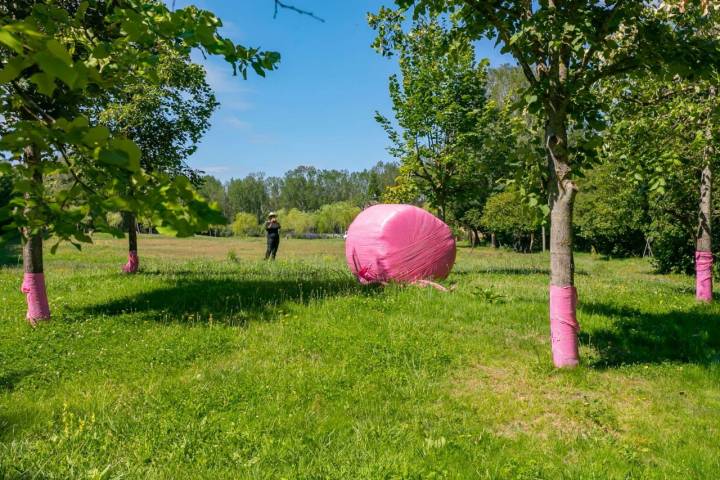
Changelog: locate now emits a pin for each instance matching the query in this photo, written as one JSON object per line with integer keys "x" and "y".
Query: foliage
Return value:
{"x": 248, "y": 194}
{"x": 451, "y": 139}
{"x": 336, "y": 217}
{"x": 565, "y": 49}
{"x": 612, "y": 214}
{"x": 304, "y": 188}
{"x": 245, "y": 224}
{"x": 509, "y": 217}
{"x": 59, "y": 60}
{"x": 165, "y": 119}
{"x": 298, "y": 221}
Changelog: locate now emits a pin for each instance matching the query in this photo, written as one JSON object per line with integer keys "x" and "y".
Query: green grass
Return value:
{"x": 209, "y": 365}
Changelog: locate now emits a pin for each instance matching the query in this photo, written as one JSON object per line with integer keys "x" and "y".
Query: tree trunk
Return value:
{"x": 493, "y": 240}
{"x": 532, "y": 242}
{"x": 133, "y": 262}
{"x": 33, "y": 285}
{"x": 544, "y": 241}
{"x": 564, "y": 327}
{"x": 703, "y": 250}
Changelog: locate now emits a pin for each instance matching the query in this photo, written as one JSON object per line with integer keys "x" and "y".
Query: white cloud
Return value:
{"x": 247, "y": 131}
{"x": 215, "y": 169}
{"x": 237, "y": 123}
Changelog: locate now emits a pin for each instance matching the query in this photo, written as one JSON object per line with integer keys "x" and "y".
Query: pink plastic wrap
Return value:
{"x": 564, "y": 326}
{"x": 133, "y": 262}
{"x": 33, "y": 286}
{"x": 703, "y": 278}
{"x": 400, "y": 243}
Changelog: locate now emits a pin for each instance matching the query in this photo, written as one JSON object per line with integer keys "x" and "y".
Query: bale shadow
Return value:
{"x": 640, "y": 337}
{"x": 227, "y": 300}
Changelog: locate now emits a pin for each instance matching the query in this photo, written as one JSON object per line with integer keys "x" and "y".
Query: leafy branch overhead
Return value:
{"x": 60, "y": 62}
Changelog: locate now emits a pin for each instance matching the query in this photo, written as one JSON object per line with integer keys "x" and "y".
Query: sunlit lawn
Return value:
{"x": 216, "y": 365}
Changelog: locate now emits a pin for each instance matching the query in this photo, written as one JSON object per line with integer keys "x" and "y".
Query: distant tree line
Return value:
{"x": 307, "y": 199}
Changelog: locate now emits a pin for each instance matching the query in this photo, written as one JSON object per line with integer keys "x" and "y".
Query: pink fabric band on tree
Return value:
{"x": 133, "y": 262}
{"x": 703, "y": 278}
{"x": 33, "y": 286}
{"x": 564, "y": 326}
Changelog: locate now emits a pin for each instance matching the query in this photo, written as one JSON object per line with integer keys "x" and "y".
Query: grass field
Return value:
{"x": 210, "y": 364}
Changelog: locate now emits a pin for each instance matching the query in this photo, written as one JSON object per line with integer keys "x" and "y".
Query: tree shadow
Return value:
{"x": 511, "y": 271}
{"x": 639, "y": 337}
{"x": 10, "y": 379}
{"x": 227, "y": 300}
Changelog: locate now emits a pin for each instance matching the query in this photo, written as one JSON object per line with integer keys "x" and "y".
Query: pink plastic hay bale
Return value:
{"x": 400, "y": 243}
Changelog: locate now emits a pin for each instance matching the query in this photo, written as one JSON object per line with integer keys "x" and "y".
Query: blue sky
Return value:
{"x": 317, "y": 108}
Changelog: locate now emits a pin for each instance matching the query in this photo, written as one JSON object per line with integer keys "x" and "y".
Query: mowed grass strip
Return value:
{"x": 210, "y": 364}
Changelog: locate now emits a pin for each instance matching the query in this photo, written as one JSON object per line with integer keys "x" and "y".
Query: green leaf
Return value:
{"x": 121, "y": 153}
{"x": 59, "y": 51}
{"x": 96, "y": 135}
{"x": 44, "y": 82}
{"x": 9, "y": 40}
{"x": 13, "y": 69}
{"x": 56, "y": 67}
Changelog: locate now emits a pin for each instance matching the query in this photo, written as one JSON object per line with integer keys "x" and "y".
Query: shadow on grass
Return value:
{"x": 639, "y": 337}
{"x": 227, "y": 300}
{"x": 8, "y": 380}
{"x": 510, "y": 271}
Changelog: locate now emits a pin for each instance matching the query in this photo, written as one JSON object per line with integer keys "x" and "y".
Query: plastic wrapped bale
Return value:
{"x": 399, "y": 243}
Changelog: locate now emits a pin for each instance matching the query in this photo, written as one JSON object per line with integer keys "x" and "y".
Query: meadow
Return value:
{"x": 211, "y": 363}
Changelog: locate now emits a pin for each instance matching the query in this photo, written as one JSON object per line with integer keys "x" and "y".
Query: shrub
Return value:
{"x": 245, "y": 224}
{"x": 611, "y": 213}
{"x": 298, "y": 221}
{"x": 511, "y": 219}
{"x": 336, "y": 217}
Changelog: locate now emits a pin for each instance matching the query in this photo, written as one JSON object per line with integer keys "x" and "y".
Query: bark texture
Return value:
{"x": 562, "y": 199}
{"x": 704, "y": 237}
{"x": 33, "y": 245}
{"x": 131, "y": 224}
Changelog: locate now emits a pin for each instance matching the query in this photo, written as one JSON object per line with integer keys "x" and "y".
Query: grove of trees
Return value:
{"x": 580, "y": 59}
{"x": 67, "y": 64}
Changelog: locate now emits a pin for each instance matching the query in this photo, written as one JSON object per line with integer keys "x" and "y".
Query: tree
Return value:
{"x": 245, "y": 224}
{"x": 166, "y": 120}
{"x": 564, "y": 48}
{"x": 507, "y": 215}
{"x": 57, "y": 60}
{"x": 441, "y": 109}
{"x": 673, "y": 150}
{"x": 336, "y": 217}
{"x": 248, "y": 195}
{"x": 299, "y": 222}
{"x": 612, "y": 214}
{"x": 676, "y": 119}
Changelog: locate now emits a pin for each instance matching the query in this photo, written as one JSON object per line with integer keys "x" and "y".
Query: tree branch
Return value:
{"x": 279, "y": 4}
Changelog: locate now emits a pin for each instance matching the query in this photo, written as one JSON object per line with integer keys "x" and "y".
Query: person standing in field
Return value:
{"x": 272, "y": 227}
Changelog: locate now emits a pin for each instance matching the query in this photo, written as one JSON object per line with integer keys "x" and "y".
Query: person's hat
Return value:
{"x": 272, "y": 214}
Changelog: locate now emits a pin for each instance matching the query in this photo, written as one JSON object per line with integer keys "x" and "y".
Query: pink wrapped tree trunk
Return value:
{"x": 703, "y": 254}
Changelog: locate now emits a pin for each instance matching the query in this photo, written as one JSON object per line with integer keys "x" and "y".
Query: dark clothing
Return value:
{"x": 273, "y": 239}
